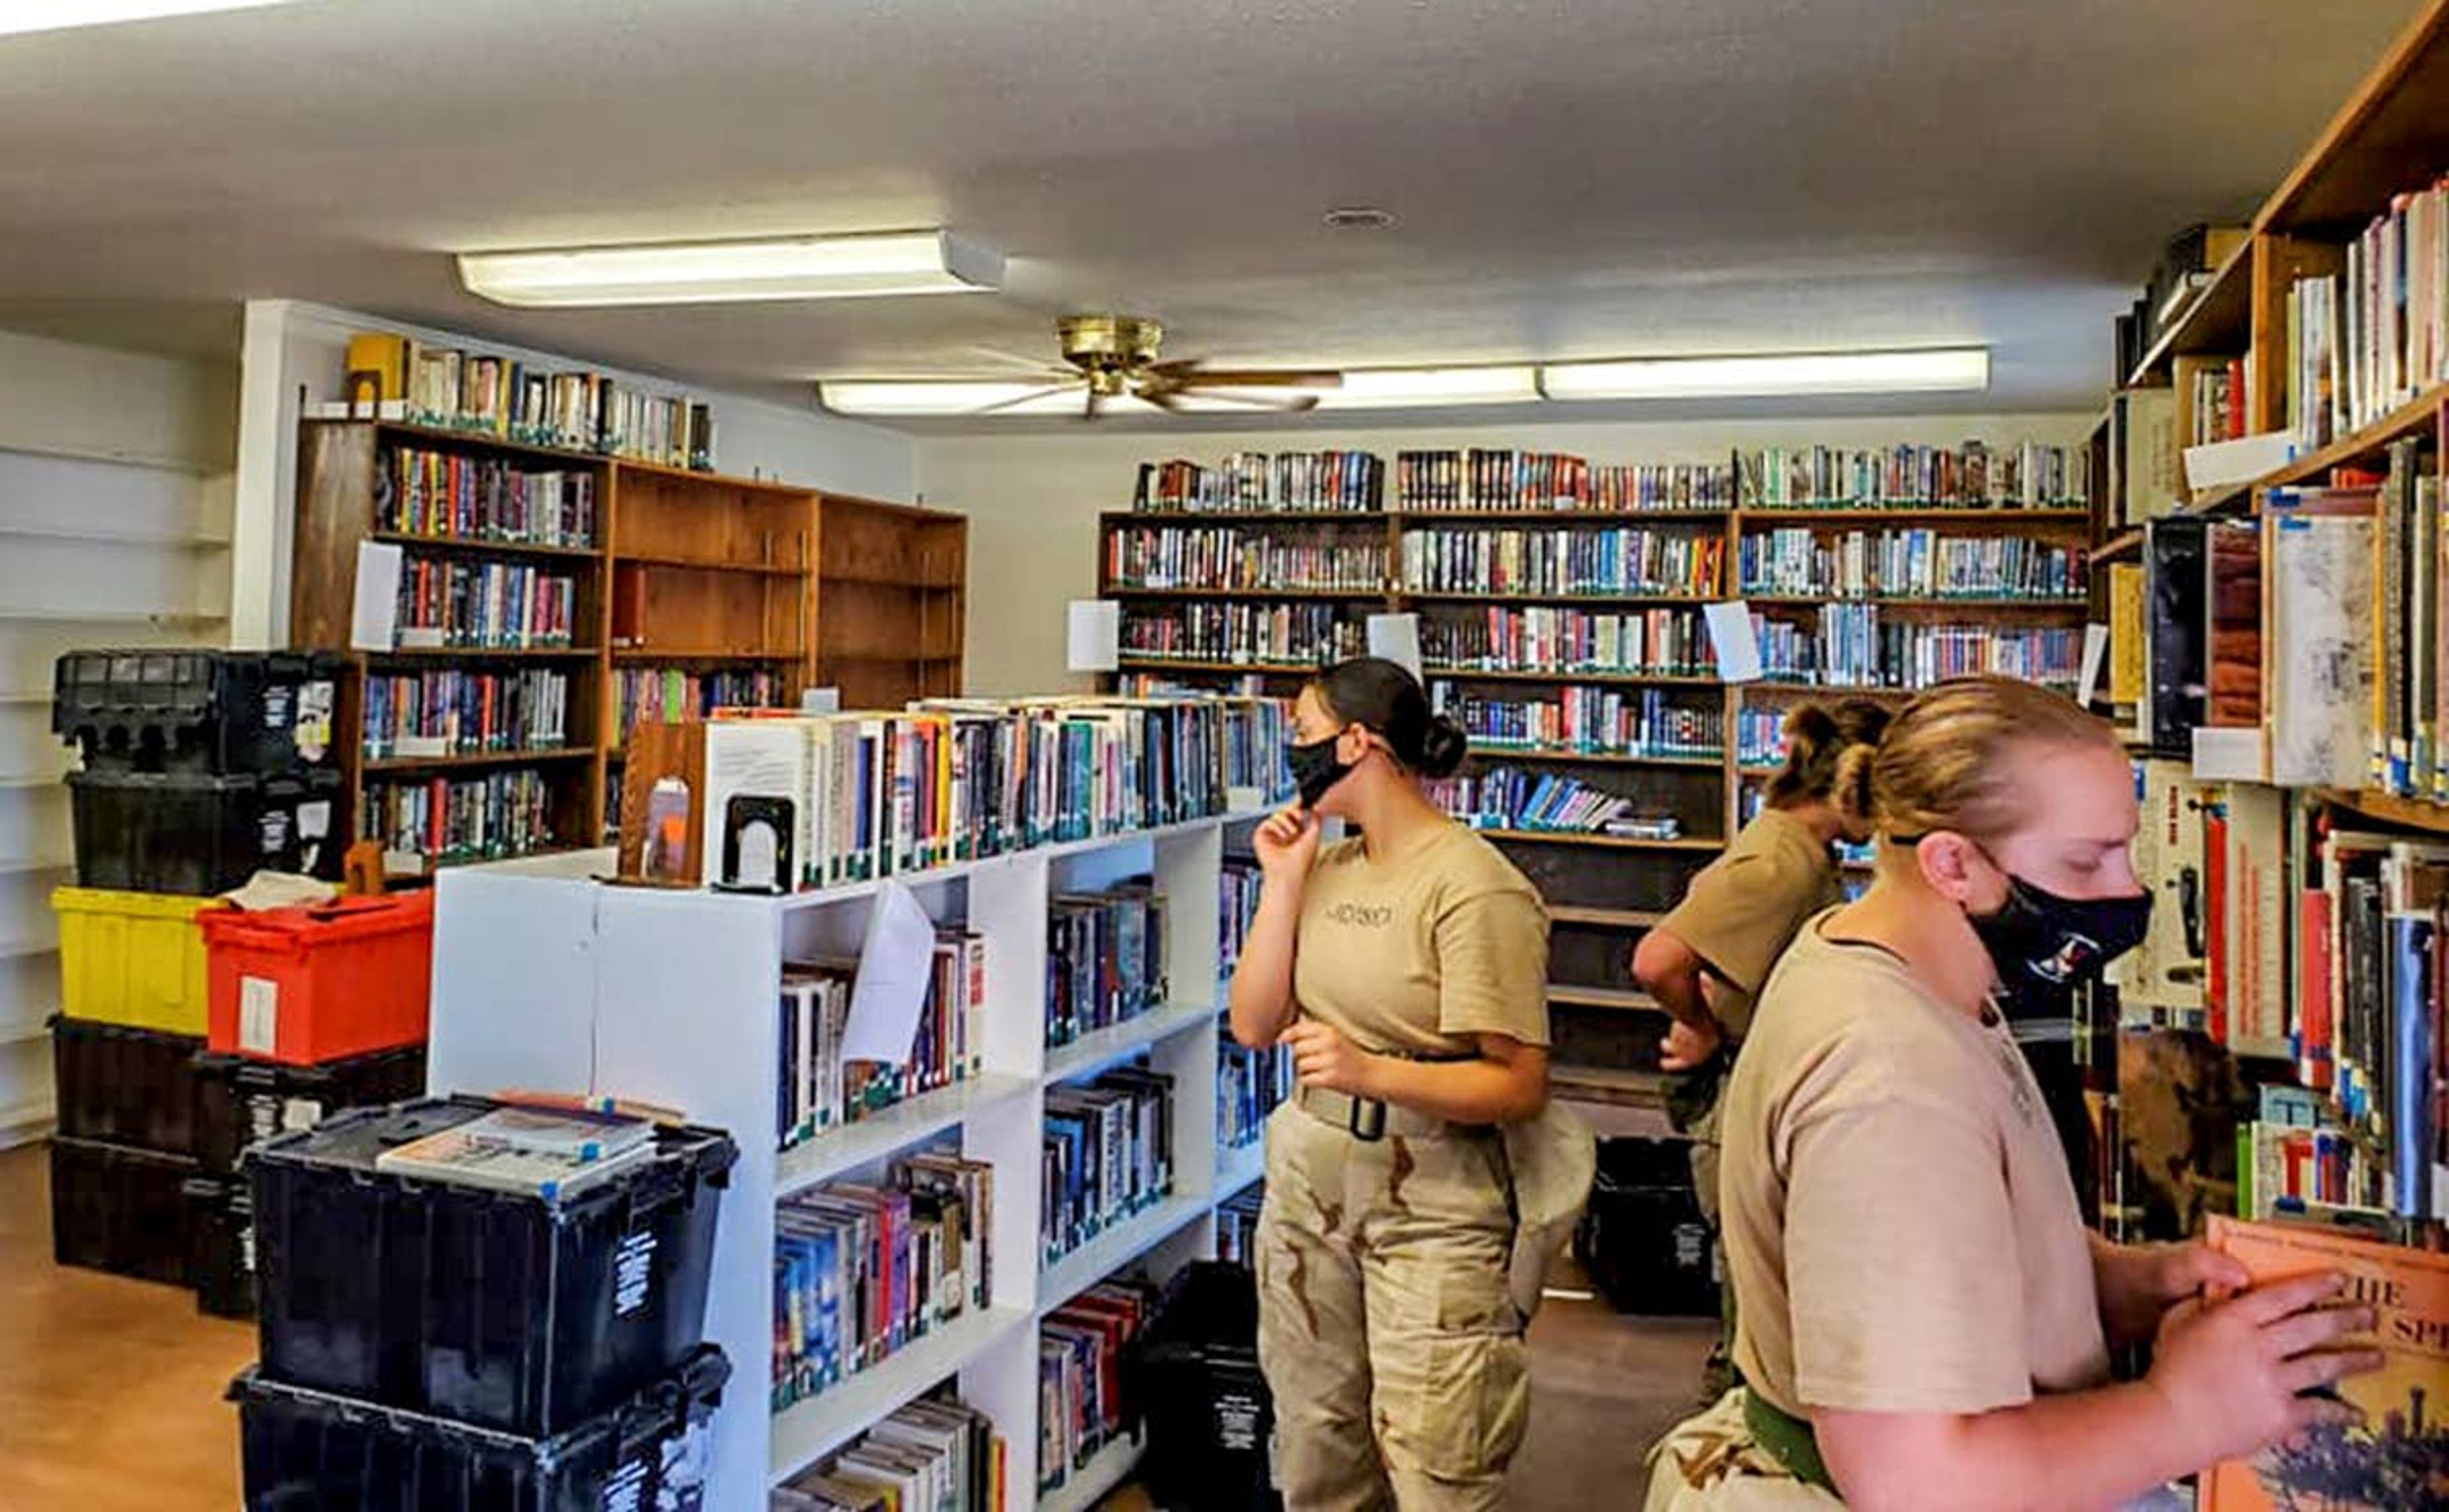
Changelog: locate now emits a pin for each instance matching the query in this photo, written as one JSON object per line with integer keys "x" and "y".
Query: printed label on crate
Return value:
{"x": 625, "y": 1489}
{"x": 633, "y": 1278}
{"x": 312, "y": 734}
{"x": 688, "y": 1456}
{"x": 1236, "y": 1421}
{"x": 314, "y": 819}
{"x": 301, "y": 1113}
{"x": 258, "y": 1015}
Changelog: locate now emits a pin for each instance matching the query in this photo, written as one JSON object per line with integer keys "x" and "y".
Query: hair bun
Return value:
{"x": 1851, "y": 792}
{"x": 1808, "y": 730}
{"x": 1441, "y": 747}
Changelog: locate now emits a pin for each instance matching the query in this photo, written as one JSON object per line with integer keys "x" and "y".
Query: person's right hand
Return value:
{"x": 1287, "y": 843}
{"x": 2232, "y": 1369}
{"x": 1688, "y": 1048}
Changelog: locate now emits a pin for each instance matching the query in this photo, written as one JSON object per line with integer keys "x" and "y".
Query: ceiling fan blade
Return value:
{"x": 1164, "y": 399}
{"x": 1018, "y": 400}
{"x": 1256, "y": 378}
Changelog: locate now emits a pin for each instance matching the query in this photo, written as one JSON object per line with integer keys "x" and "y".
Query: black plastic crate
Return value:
{"x": 305, "y": 1450}
{"x": 1210, "y": 1417}
{"x": 220, "y": 1214}
{"x": 240, "y": 1101}
{"x": 125, "y": 1086}
{"x": 120, "y": 1210}
{"x": 1642, "y": 1240}
{"x": 504, "y": 1310}
{"x": 209, "y": 713}
{"x": 146, "y": 832}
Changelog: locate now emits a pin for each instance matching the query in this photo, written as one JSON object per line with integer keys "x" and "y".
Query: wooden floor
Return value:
{"x": 110, "y": 1390}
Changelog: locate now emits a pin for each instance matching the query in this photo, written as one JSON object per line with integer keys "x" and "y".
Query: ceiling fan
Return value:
{"x": 1114, "y": 356}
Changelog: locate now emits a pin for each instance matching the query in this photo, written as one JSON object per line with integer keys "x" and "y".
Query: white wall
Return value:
{"x": 290, "y": 346}
{"x": 115, "y": 489}
{"x": 1033, "y": 500}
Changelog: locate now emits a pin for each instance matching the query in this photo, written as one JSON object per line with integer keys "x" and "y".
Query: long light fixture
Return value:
{"x": 18, "y": 16}
{"x": 731, "y": 272}
{"x": 1938, "y": 370}
{"x": 914, "y": 397}
{"x": 1417, "y": 387}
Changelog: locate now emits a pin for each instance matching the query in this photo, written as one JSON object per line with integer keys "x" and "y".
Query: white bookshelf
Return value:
{"x": 546, "y": 977}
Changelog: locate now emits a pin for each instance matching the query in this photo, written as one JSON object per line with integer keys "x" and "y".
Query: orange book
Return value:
{"x": 2398, "y": 1457}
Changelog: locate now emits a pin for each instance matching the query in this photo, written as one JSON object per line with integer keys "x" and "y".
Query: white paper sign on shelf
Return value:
{"x": 2095, "y": 652}
{"x": 1396, "y": 637}
{"x": 895, "y": 961}
{"x": 1094, "y": 636}
{"x": 1731, "y": 636}
{"x": 821, "y": 700}
{"x": 374, "y": 615}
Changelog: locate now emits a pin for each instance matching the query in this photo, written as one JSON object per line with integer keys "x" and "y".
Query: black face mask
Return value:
{"x": 2044, "y": 945}
{"x": 1316, "y": 770}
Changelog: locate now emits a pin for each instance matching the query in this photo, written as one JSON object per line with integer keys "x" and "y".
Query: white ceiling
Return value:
{"x": 1573, "y": 177}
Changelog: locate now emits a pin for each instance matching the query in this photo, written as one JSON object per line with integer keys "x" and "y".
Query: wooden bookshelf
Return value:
{"x": 687, "y": 570}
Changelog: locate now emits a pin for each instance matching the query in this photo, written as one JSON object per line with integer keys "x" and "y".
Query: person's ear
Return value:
{"x": 1957, "y": 869}
{"x": 1352, "y": 744}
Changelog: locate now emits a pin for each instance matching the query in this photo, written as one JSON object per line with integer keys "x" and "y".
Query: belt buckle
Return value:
{"x": 1366, "y": 1119}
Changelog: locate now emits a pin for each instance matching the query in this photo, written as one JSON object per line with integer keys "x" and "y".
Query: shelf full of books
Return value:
{"x": 922, "y": 1203}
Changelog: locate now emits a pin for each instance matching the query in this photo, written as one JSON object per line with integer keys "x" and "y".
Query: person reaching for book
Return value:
{"x": 1418, "y": 1180}
{"x": 1924, "y": 1321}
{"x": 1707, "y": 958}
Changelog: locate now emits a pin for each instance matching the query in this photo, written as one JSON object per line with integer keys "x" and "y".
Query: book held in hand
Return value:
{"x": 544, "y": 1154}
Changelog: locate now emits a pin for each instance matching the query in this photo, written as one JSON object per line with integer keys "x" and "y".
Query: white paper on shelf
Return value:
{"x": 2095, "y": 652}
{"x": 2218, "y": 464}
{"x": 2223, "y": 754}
{"x": 1731, "y": 636}
{"x": 373, "y": 616}
{"x": 1396, "y": 637}
{"x": 1094, "y": 636}
{"x": 821, "y": 700}
{"x": 895, "y": 961}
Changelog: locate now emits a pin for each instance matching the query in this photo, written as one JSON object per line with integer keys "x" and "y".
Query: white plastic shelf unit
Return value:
{"x": 545, "y": 977}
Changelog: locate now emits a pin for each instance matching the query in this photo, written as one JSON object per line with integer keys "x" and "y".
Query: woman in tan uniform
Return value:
{"x": 1707, "y": 958}
{"x": 1924, "y": 1320}
{"x": 1406, "y": 970}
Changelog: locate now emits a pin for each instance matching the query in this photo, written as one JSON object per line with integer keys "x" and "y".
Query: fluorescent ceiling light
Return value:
{"x": 914, "y": 396}
{"x": 1410, "y": 388}
{"x": 1958, "y": 367}
{"x": 726, "y": 272}
{"x": 59, "y": 15}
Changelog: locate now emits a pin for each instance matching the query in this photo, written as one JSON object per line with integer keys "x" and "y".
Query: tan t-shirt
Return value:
{"x": 1900, "y": 1224}
{"x": 1742, "y": 909}
{"x": 1419, "y": 954}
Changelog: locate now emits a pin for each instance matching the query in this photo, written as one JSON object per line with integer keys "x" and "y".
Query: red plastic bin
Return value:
{"x": 310, "y": 984}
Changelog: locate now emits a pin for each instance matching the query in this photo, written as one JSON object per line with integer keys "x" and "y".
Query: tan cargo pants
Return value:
{"x": 1391, "y": 1345}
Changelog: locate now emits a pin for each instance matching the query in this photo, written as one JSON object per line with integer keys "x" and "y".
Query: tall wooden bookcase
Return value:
{"x": 689, "y": 571}
{"x": 1603, "y": 890}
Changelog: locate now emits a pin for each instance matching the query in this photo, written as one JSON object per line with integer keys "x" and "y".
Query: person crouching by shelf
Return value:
{"x": 1710, "y": 955}
{"x": 1924, "y": 1320}
{"x": 1418, "y": 1180}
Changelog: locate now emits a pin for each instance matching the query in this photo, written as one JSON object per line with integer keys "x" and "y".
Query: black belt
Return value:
{"x": 1365, "y": 1119}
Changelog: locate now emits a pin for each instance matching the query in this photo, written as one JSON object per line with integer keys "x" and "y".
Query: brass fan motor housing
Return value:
{"x": 1109, "y": 348}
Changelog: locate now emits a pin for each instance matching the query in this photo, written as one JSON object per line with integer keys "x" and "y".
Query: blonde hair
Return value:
{"x": 1943, "y": 763}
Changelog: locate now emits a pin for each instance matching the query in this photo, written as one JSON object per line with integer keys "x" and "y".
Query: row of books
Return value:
{"x": 2293, "y": 1157}
{"x": 1599, "y": 721}
{"x": 1081, "y": 1349}
{"x": 863, "y": 1270}
{"x": 1250, "y": 1085}
{"x": 438, "y": 493}
{"x": 871, "y": 795}
{"x": 1213, "y": 557}
{"x": 1107, "y": 1157}
{"x": 1237, "y": 904}
{"x": 1622, "y": 560}
{"x": 1510, "y": 799}
{"x": 1105, "y": 960}
{"x": 502, "y": 396}
{"x": 2373, "y": 336}
{"x": 2216, "y": 401}
{"x": 1237, "y": 1225}
{"x": 446, "y": 821}
{"x": 936, "y": 1455}
{"x": 673, "y": 695}
{"x": 1531, "y": 481}
{"x": 1282, "y": 634}
{"x": 2409, "y": 743}
{"x": 1645, "y": 642}
{"x": 498, "y": 605}
{"x": 1909, "y": 564}
{"x": 1251, "y": 480}
{"x": 1848, "y": 645}
{"x": 424, "y": 715}
{"x": 1973, "y": 476}
{"x": 1760, "y": 734}
{"x": 821, "y": 1089}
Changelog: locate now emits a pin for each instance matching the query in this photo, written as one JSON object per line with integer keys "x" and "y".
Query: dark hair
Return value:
{"x": 1382, "y": 695}
{"x": 1816, "y": 740}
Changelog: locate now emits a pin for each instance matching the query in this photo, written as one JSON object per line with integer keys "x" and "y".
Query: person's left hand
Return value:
{"x": 1322, "y": 1057}
{"x": 2138, "y": 1283}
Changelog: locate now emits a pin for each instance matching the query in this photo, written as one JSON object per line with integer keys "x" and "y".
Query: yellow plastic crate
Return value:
{"x": 132, "y": 958}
